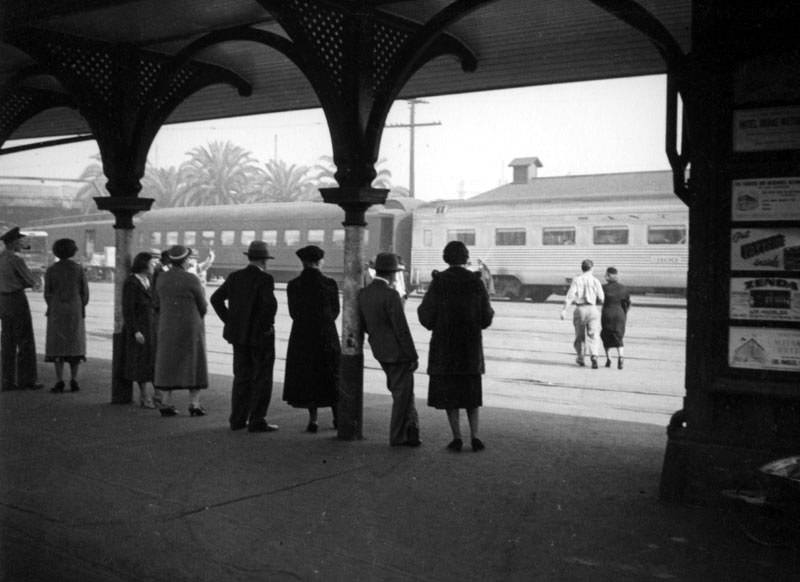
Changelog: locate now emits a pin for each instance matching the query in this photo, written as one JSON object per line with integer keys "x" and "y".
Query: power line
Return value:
{"x": 412, "y": 125}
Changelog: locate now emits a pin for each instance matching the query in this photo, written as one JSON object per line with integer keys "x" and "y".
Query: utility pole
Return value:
{"x": 412, "y": 125}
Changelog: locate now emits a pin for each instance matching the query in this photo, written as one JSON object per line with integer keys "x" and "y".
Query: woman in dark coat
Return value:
{"x": 312, "y": 357}
{"x": 66, "y": 292}
{"x": 181, "y": 338}
{"x": 614, "y": 315}
{"x": 139, "y": 328}
{"x": 456, "y": 308}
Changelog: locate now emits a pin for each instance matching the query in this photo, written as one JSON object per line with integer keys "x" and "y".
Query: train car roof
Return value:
{"x": 574, "y": 189}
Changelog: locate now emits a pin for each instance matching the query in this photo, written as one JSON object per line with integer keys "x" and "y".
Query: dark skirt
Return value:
{"x": 67, "y": 359}
{"x": 448, "y": 391}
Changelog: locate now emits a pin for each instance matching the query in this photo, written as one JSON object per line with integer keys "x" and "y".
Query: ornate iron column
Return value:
{"x": 125, "y": 94}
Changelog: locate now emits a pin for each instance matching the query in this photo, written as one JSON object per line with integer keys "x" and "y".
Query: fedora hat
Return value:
{"x": 387, "y": 262}
{"x": 310, "y": 254}
{"x": 177, "y": 253}
{"x": 258, "y": 250}
{"x": 12, "y": 235}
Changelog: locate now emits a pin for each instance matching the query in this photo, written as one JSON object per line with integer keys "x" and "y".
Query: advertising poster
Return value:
{"x": 765, "y": 249}
{"x": 766, "y": 199}
{"x": 765, "y": 298}
{"x": 760, "y": 348}
{"x": 767, "y": 129}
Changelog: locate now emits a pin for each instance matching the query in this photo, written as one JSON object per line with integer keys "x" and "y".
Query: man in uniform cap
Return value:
{"x": 17, "y": 344}
{"x": 382, "y": 317}
{"x": 249, "y": 317}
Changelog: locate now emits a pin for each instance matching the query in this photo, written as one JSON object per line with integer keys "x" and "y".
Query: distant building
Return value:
{"x": 24, "y": 200}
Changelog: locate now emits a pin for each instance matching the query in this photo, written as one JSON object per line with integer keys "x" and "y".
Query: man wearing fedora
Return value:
{"x": 382, "y": 317}
{"x": 17, "y": 343}
{"x": 249, "y": 317}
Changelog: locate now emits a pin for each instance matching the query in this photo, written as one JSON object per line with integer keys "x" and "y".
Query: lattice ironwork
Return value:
{"x": 19, "y": 104}
{"x": 386, "y": 44}
{"x": 325, "y": 33}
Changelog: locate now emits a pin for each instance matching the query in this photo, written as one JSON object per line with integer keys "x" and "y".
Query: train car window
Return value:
{"x": 338, "y": 237}
{"x": 558, "y": 236}
{"x": 155, "y": 239}
{"x": 291, "y": 238}
{"x": 270, "y": 237}
{"x": 615, "y": 235}
{"x": 208, "y": 238}
{"x": 466, "y": 236}
{"x": 190, "y": 238}
{"x": 509, "y": 237}
{"x": 427, "y": 238}
{"x": 227, "y": 238}
{"x": 316, "y": 237}
{"x": 247, "y": 237}
{"x": 172, "y": 238}
{"x": 666, "y": 235}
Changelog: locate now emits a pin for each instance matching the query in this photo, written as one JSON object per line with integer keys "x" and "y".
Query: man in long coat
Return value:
{"x": 382, "y": 317}
{"x": 17, "y": 343}
{"x": 249, "y": 318}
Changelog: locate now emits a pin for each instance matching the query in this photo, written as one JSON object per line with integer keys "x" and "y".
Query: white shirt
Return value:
{"x": 585, "y": 288}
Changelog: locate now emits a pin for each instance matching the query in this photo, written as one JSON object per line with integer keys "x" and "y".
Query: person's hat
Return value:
{"x": 455, "y": 253}
{"x": 310, "y": 254}
{"x": 64, "y": 248}
{"x": 386, "y": 262}
{"x": 155, "y": 253}
{"x": 177, "y": 253}
{"x": 12, "y": 235}
{"x": 258, "y": 250}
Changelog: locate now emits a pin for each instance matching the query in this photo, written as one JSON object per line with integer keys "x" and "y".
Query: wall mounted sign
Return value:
{"x": 766, "y": 129}
{"x": 765, "y": 298}
{"x": 766, "y": 199}
{"x": 765, "y": 249}
{"x": 762, "y": 348}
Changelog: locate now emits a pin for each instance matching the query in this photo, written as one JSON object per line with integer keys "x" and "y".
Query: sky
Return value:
{"x": 593, "y": 127}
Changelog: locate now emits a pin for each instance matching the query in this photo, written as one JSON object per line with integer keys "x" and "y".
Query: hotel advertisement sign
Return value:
{"x": 765, "y": 249}
{"x": 766, "y": 129}
{"x": 760, "y": 348}
{"x": 765, "y": 298}
{"x": 766, "y": 199}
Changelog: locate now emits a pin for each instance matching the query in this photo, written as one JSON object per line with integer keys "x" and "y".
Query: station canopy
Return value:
{"x": 517, "y": 43}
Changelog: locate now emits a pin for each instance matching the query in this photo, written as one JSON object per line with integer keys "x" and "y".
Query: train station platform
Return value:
{"x": 92, "y": 491}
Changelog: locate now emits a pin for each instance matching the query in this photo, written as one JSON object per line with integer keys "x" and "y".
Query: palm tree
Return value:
{"x": 285, "y": 183}
{"x": 221, "y": 173}
{"x": 95, "y": 185}
{"x": 164, "y": 185}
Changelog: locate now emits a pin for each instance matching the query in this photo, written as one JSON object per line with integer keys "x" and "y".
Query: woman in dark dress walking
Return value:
{"x": 312, "y": 357}
{"x": 456, "y": 309}
{"x": 139, "y": 328}
{"x": 614, "y": 316}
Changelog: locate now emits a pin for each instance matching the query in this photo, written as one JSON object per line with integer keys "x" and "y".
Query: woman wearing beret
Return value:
{"x": 66, "y": 292}
{"x": 139, "y": 329}
{"x": 456, "y": 309}
{"x": 181, "y": 343}
{"x": 312, "y": 358}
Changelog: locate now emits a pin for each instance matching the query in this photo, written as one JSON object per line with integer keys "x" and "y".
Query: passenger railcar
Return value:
{"x": 533, "y": 236}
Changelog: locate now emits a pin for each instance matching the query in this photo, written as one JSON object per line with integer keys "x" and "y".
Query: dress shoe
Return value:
{"x": 262, "y": 427}
{"x": 580, "y": 361}
{"x": 594, "y": 363}
{"x": 312, "y": 427}
{"x": 455, "y": 445}
{"x": 238, "y": 426}
{"x": 477, "y": 445}
{"x": 147, "y": 404}
{"x": 608, "y": 362}
{"x": 412, "y": 443}
{"x": 58, "y": 388}
{"x": 196, "y": 410}
{"x": 73, "y": 386}
{"x": 619, "y": 363}
{"x": 34, "y": 386}
{"x": 168, "y": 411}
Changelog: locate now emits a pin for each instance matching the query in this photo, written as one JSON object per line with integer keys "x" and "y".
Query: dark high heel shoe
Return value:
{"x": 608, "y": 362}
{"x": 58, "y": 388}
{"x": 619, "y": 363}
{"x": 73, "y": 386}
{"x": 168, "y": 411}
{"x": 196, "y": 410}
{"x": 477, "y": 445}
{"x": 312, "y": 427}
{"x": 455, "y": 445}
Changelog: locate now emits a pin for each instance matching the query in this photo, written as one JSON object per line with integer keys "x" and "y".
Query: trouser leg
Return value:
{"x": 400, "y": 381}
{"x": 580, "y": 333}
{"x": 242, "y": 385}
{"x": 8, "y": 353}
{"x": 26, "y": 358}
{"x": 593, "y": 331}
{"x": 263, "y": 359}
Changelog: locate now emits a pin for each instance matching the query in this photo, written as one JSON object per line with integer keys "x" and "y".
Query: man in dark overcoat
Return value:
{"x": 382, "y": 317}
{"x": 17, "y": 342}
{"x": 249, "y": 319}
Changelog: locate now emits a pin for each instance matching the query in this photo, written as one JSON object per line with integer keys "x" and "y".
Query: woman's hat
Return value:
{"x": 177, "y": 253}
{"x": 258, "y": 250}
{"x": 64, "y": 248}
{"x": 311, "y": 254}
{"x": 387, "y": 262}
{"x": 455, "y": 253}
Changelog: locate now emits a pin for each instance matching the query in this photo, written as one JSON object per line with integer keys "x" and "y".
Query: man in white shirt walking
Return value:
{"x": 585, "y": 292}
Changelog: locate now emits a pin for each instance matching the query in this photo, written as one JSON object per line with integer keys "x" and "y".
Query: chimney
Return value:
{"x": 525, "y": 169}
